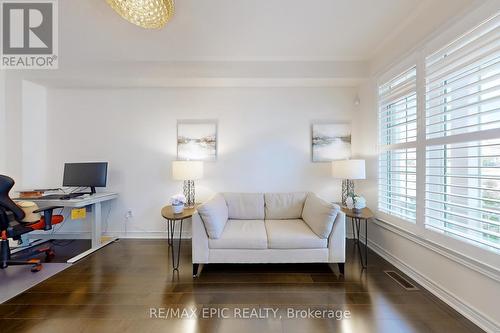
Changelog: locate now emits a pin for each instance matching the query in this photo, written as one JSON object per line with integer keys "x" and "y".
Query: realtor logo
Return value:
{"x": 29, "y": 34}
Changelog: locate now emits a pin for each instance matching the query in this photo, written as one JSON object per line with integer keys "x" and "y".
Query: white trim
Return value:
{"x": 163, "y": 235}
{"x": 148, "y": 234}
{"x": 456, "y": 303}
{"x": 59, "y": 235}
{"x": 91, "y": 250}
{"x": 453, "y": 28}
{"x": 106, "y": 82}
{"x": 420, "y": 150}
{"x": 398, "y": 68}
{"x": 464, "y": 137}
{"x": 399, "y": 222}
{"x": 128, "y": 234}
{"x": 398, "y": 146}
{"x": 458, "y": 26}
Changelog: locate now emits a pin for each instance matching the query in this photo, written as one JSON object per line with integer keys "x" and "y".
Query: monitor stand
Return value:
{"x": 92, "y": 191}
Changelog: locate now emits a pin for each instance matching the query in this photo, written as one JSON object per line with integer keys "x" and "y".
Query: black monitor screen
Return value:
{"x": 85, "y": 174}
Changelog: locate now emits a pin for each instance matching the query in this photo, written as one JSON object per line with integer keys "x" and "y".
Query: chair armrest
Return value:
{"x": 47, "y": 215}
{"x": 45, "y": 209}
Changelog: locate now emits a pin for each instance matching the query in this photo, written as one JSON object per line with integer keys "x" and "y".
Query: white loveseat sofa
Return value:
{"x": 268, "y": 228}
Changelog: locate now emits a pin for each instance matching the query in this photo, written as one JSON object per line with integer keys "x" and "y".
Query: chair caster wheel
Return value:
{"x": 36, "y": 268}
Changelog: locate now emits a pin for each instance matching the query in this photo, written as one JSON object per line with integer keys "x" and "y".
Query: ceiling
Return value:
{"x": 234, "y": 30}
{"x": 238, "y": 42}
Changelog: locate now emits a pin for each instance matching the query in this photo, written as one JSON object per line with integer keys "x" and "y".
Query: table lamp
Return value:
{"x": 188, "y": 171}
{"x": 347, "y": 170}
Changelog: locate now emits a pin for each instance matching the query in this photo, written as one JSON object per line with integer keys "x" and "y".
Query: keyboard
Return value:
{"x": 60, "y": 196}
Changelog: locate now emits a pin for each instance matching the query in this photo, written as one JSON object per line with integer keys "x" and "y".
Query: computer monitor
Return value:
{"x": 86, "y": 175}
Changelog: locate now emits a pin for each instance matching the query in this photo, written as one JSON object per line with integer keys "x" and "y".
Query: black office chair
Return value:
{"x": 11, "y": 226}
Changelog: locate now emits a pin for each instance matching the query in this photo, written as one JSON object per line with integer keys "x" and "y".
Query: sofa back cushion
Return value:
{"x": 214, "y": 214}
{"x": 281, "y": 206}
{"x": 245, "y": 206}
{"x": 319, "y": 215}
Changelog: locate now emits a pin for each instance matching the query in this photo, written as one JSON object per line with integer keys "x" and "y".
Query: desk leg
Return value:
{"x": 96, "y": 225}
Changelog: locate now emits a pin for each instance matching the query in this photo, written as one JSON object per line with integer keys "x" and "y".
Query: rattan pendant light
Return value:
{"x": 149, "y": 14}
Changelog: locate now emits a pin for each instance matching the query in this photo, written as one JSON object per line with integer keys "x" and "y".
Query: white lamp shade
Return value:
{"x": 187, "y": 170}
{"x": 348, "y": 169}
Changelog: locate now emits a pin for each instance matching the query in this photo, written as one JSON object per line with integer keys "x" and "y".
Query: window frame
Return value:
{"x": 410, "y": 61}
{"x": 418, "y": 57}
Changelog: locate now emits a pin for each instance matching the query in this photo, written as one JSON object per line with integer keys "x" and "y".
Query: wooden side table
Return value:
{"x": 172, "y": 218}
{"x": 356, "y": 219}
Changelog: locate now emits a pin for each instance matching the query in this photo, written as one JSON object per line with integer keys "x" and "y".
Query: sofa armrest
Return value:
{"x": 336, "y": 241}
{"x": 318, "y": 214}
{"x": 199, "y": 240}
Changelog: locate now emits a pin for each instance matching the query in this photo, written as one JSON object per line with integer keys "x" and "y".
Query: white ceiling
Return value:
{"x": 238, "y": 42}
{"x": 234, "y": 30}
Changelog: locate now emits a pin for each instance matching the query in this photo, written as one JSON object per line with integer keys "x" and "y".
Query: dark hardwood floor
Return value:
{"x": 117, "y": 288}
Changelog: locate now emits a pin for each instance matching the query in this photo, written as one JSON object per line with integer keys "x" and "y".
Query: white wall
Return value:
{"x": 425, "y": 21}
{"x": 34, "y": 135}
{"x": 23, "y": 129}
{"x": 3, "y": 138}
{"x": 365, "y": 140}
{"x": 13, "y": 126}
{"x": 263, "y": 139}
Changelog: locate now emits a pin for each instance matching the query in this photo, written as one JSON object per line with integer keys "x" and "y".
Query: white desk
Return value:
{"x": 95, "y": 218}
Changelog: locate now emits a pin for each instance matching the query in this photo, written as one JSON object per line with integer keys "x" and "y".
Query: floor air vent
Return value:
{"x": 401, "y": 280}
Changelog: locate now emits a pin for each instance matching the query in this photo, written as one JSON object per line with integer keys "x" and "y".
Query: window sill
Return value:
{"x": 463, "y": 259}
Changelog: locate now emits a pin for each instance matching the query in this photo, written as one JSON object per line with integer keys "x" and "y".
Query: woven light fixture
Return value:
{"x": 149, "y": 14}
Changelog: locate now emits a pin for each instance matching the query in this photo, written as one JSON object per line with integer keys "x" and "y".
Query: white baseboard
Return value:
{"x": 128, "y": 234}
{"x": 87, "y": 235}
{"x": 59, "y": 235}
{"x": 148, "y": 234}
{"x": 456, "y": 303}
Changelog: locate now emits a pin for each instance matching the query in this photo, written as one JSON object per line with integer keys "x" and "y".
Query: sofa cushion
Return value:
{"x": 241, "y": 234}
{"x": 214, "y": 214}
{"x": 292, "y": 234}
{"x": 284, "y": 205}
{"x": 319, "y": 215}
{"x": 245, "y": 206}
